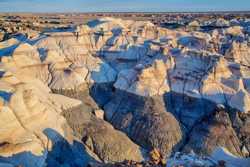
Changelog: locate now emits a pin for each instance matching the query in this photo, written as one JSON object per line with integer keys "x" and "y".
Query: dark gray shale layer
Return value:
{"x": 172, "y": 122}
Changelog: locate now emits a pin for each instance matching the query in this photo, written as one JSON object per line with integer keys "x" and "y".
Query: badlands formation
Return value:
{"x": 113, "y": 90}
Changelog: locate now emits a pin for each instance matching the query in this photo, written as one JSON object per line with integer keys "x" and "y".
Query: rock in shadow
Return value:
{"x": 95, "y": 23}
{"x": 43, "y": 53}
{"x": 166, "y": 122}
{"x": 5, "y": 95}
{"x": 241, "y": 125}
{"x": 104, "y": 74}
{"x": 102, "y": 93}
{"x": 188, "y": 110}
{"x": 25, "y": 159}
{"x": 8, "y": 50}
{"x": 212, "y": 132}
{"x": 62, "y": 153}
{"x": 145, "y": 120}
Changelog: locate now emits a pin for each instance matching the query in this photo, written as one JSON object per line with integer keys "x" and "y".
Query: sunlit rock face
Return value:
{"x": 33, "y": 125}
{"x": 157, "y": 88}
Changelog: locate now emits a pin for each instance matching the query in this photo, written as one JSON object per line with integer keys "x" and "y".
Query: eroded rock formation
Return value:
{"x": 158, "y": 89}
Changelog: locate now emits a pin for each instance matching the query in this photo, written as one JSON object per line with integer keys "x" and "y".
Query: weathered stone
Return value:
{"x": 109, "y": 144}
{"x": 145, "y": 120}
{"x": 214, "y": 131}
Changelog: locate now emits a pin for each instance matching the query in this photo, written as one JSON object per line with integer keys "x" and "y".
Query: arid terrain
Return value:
{"x": 125, "y": 89}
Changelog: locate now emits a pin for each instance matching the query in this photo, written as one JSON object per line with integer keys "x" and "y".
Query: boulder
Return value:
{"x": 109, "y": 144}
{"x": 214, "y": 131}
{"x": 234, "y": 31}
{"x": 146, "y": 121}
{"x": 240, "y": 101}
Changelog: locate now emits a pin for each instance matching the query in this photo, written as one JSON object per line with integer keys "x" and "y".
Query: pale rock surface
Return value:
{"x": 8, "y": 43}
{"x": 241, "y": 101}
{"x": 149, "y": 82}
{"x": 238, "y": 52}
{"x": 234, "y": 31}
{"x": 7, "y": 47}
{"x": 30, "y": 112}
{"x": 29, "y": 108}
{"x": 194, "y": 24}
{"x": 25, "y": 55}
{"x": 220, "y": 23}
{"x": 219, "y": 154}
{"x": 230, "y": 159}
{"x": 2, "y": 34}
{"x": 99, "y": 114}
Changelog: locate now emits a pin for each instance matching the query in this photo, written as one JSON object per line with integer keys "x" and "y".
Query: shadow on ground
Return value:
{"x": 61, "y": 154}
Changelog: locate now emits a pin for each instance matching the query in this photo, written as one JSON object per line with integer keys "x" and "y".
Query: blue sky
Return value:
{"x": 122, "y": 5}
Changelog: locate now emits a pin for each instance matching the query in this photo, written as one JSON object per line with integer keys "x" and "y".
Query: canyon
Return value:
{"x": 113, "y": 90}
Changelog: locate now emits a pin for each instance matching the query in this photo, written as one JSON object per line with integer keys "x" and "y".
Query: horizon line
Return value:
{"x": 153, "y": 12}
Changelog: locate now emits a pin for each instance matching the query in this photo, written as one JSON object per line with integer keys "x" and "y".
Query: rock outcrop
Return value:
{"x": 216, "y": 131}
{"x": 145, "y": 120}
{"x": 30, "y": 131}
{"x": 109, "y": 144}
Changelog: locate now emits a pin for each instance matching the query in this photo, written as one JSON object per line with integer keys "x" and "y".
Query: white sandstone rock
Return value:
{"x": 240, "y": 101}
